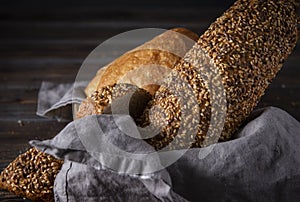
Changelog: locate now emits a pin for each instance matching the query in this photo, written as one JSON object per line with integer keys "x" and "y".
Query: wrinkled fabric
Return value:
{"x": 68, "y": 145}
{"x": 261, "y": 163}
{"x": 55, "y": 100}
{"x": 79, "y": 182}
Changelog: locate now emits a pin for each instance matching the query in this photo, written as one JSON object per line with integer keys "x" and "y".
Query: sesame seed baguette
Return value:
{"x": 248, "y": 44}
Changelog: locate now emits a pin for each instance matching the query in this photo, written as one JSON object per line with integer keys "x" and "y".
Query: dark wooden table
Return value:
{"x": 48, "y": 42}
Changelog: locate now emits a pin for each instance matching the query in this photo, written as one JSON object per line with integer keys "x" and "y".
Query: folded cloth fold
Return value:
{"x": 262, "y": 163}
{"x": 55, "y": 100}
{"x": 80, "y": 182}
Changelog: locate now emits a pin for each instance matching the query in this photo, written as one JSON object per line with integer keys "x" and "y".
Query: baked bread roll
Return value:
{"x": 144, "y": 67}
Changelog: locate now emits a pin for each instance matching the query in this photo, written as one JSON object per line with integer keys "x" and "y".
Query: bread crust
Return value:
{"x": 156, "y": 58}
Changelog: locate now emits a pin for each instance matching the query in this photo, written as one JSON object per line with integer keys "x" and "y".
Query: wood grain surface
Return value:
{"x": 48, "y": 41}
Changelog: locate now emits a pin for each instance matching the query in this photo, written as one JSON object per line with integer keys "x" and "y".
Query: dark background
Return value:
{"x": 48, "y": 41}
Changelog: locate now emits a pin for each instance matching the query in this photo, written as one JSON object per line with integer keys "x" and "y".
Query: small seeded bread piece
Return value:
{"x": 117, "y": 99}
{"x": 31, "y": 175}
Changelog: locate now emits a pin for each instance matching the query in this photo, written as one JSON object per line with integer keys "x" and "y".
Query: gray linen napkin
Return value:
{"x": 79, "y": 165}
{"x": 55, "y": 100}
{"x": 262, "y": 163}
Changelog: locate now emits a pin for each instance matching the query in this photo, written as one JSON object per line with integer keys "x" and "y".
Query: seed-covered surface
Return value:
{"x": 114, "y": 99}
{"x": 31, "y": 175}
{"x": 248, "y": 44}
